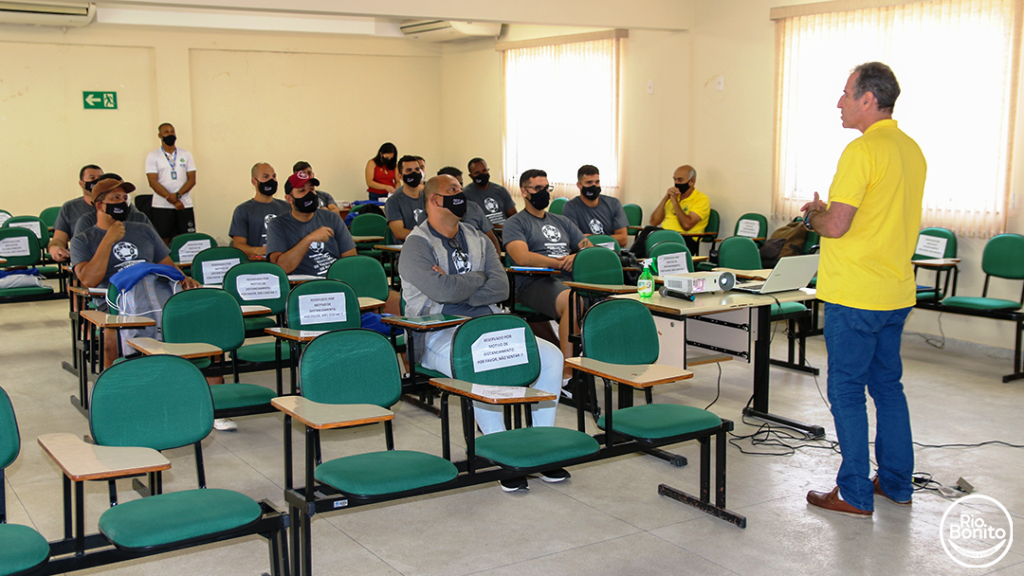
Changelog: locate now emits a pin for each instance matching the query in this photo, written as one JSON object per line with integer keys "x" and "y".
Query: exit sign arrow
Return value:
{"x": 99, "y": 100}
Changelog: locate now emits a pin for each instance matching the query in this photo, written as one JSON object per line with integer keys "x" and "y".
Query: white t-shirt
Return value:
{"x": 159, "y": 162}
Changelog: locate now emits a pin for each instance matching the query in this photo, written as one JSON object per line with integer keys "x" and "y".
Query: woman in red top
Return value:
{"x": 381, "y": 173}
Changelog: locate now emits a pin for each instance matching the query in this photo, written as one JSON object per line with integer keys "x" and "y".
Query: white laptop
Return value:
{"x": 791, "y": 273}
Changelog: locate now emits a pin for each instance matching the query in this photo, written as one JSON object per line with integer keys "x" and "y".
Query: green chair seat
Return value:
{"x": 533, "y": 447}
{"x": 25, "y": 291}
{"x": 787, "y": 308}
{"x": 176, "y": 517}
{"x": 48, "y": 270}
{"x": 705, "y": 266}
{"x": 385, "y": 472}
{"x": 523, "y": 309}
{"x": 262, "y": 352}
{"x": 428, "y": 372}
{"x": 259, "y": 323}
{"x": 979, "y": 303}
{"x": 929, "y": 295}
{"x": 201, "y": 362}
{"x": 231, "y": 396}
{"x": 23, "y": 548}
{"x": 375, "y": 254}
{"x": 814, "y": 281}
{"x": 656, "y": 421}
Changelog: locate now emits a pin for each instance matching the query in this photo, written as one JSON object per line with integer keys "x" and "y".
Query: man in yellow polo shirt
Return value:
{"x": 683, "y": 208}
{"x": 869, "y": 230}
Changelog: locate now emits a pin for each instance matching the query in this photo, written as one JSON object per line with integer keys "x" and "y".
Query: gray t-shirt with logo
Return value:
{"x": 553, "y": 236}
{"x": 324, "y": 200}
{"x": 88, "y": 220}
{"x": 69, "y": 214}
{"x": 605, "y": 218}
{"x": 250, "y": 220}
{"x": 284, "y": 232}
{"x": 495, "y": 200}
{"x": 411, "y": 211}
{"x": 140, "y": 244}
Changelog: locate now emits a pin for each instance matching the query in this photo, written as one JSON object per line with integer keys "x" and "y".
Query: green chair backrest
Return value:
{"x": 634, "y": 214}
{"x": 1004, "y": 257}
{"x": 201, "y": 242}
{"x": 49, "y": 215}
{"x": 739, "y": 253}
{"x": 368, "y": 225}
{"x": 389, "y": 237}
{"x": 603, "y": 240}
{"x": 662, "y": 248}
{"x": 20, "y": 247}
{"x": 33, "y": 223}
{"x": 364, "y": 274}
{"x": 210, "y": 265}
{"x": 620, "y": 332}
{"x": 516, "y": 338}
{"x": 714, "y": 225}
{"x": 158, "y": 402}
{"x": 597, "y": 265}
{"x": 762, "y": 224}
{"x": 350, "y": 367}
{"x": 662, "y": 236}
{"x": 303, "y": 313}
{"x": 947, "y": 235}
{"x": 10, "y": 440}
{"x": 208, "y": 315}
{"x": 258, "y": 284}
{"x": 556, "y": 205}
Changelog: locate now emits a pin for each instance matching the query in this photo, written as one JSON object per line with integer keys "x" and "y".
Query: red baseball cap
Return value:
{"x": 300, "y": 179}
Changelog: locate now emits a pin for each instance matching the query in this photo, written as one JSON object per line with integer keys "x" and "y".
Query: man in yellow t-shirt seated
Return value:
{"x": 683, "y": 208}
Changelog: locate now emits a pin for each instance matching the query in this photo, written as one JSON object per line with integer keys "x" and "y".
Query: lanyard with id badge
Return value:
{"x": 174, "y": 173}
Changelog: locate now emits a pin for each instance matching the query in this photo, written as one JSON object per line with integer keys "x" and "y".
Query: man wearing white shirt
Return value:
{"x": 172, "y": 175}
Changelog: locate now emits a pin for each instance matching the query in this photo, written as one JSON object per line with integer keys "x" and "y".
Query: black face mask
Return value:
{"x": 89, "y": 185}
{"x": 118, "y": 211}
{"x": 456, "y": 204}
{"x": 590, "y": 192}
{"x": 413, "y": 179}
{"x": 267, "y": 188}
{"x": 170, "y": 139}
{"x": 481, "y": 180}
{"x": 683, "y": 187}
{"x": 307, "y": 204}
{"x": 540, "y": 200}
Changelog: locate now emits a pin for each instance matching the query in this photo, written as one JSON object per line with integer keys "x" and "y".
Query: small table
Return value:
{"x": 88, "y": 347}
{"x": 940, "y": 265}
{"x": 294, "y": 338}
{"x": 514, "y": 271}
{"x": 761, "y": 274}
{"x": 296, "y": 279}
{"x": 364, "y": 239}
{"x": 186, "y": 350}
{"x": 366, "y": 303}
{"x": 412, "y": 326}
{"x": 81, "y": 462}
{"x": 254, "y": 310}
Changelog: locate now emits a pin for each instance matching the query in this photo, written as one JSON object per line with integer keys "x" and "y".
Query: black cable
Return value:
{"x": 777, "y": 437}
{"x": 719, "y": 392}
{"x": 978, "y": 445}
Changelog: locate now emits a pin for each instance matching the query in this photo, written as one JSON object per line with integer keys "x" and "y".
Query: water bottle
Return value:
{"x": 645, "y": 285}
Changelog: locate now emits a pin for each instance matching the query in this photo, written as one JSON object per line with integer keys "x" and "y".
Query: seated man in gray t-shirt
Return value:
{"x": 495, "y": 200}
{"x": 475, "y": 216}
{"x": 307, "y": 240}
{"x": 249, "y": 222}
{"x": 536, "y": 237}
{"x": 88, "y": 219}
{"x": 593, "y": 213}
{"x": 71, "y": 211}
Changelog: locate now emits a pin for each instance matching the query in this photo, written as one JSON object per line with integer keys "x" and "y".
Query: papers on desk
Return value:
{"x": 498, "y": 392}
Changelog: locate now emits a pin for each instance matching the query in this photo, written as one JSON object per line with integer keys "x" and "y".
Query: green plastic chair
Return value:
{"x": 364, "y": 274}
{"x": 23, "y": 550}
{"x": 30, "y": 256}
{"x": 162, "y": 403}
{"x": 949, "y": 252}
{"x": 275, "y": 298}
{"x": 667, "y": 247}
{"x": 212, "y": 316}
{"x": 226, "y": 255}
{"x": 49, "y": 215}
{"x": 556, "y": 205}
{"x": 334, "y": 370}
{"x": 293, "y": 308}
{"x": 739, "y": 253}
{"x": 1001, "y": 259}
{"x": 634, "y": 217}
{"x": 662, "y": 236}
{"x": 181, "y": 239}
{"x": 597, "y": 265}
{"x": 600, "y": 239}
{"x": 521, "y": 449}
{"x": 369, "y": 225}
{"x": 39, "y": 228}
{"x": 762, "y": 226}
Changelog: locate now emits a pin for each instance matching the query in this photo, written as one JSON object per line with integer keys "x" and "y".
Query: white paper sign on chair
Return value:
{"x": 931, "y": 246}
{"x": 609, "y": 245}
{"x": 669, "y": 263}
{"x": 214, "y": 270}
{"x": 33, "y": 226}
{"x": 322, "y": 308}
{"x": 258, "y": 287}
{"x": 748, "y": 228}
{"x": 499, "y": 349}
{"x": 187, "y": 252}
{"x": 16, "y": 246}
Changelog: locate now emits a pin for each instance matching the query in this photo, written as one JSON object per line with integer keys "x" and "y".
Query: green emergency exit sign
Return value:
{"x": 99, "y": 100}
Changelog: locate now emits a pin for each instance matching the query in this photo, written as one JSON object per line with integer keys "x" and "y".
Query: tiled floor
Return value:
{"x": 608, "y": 519}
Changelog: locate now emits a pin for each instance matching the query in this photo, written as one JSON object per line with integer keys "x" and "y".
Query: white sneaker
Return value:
{"x": 225, "y": 424}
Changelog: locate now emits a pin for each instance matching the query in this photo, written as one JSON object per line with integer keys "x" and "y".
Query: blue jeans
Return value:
{"x": 864, "y": 352}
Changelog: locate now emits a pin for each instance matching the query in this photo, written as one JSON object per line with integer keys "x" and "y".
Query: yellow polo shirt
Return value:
{"x": 696, "y": 202}
{"x": 882, "y": 174}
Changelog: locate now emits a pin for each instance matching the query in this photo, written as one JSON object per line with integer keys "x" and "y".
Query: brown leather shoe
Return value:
{"x": 830, "y": 501}
{"x": 880, "y": 492}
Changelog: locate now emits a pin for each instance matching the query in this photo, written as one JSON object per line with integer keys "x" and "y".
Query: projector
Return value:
{"x": 699, "y": 282}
